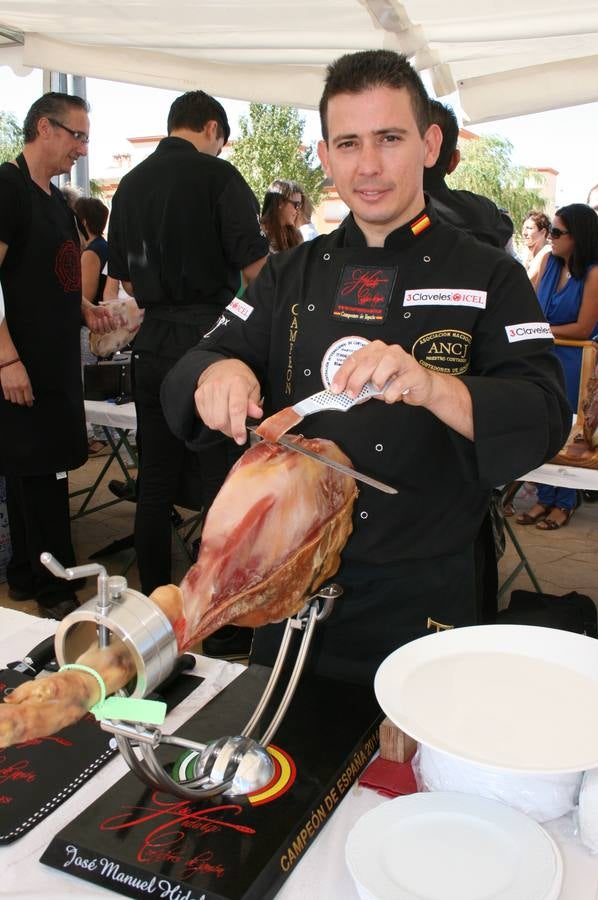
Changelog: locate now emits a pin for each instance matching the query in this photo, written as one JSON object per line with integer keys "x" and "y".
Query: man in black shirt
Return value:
{"x": 42, "y": 417}
{"x": 184, "y": 227}
{"x": 448, "y": 327}
{"x": 476, "y": 214}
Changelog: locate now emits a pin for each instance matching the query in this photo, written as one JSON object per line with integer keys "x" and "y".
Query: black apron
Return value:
{"x": 41, "y": 280}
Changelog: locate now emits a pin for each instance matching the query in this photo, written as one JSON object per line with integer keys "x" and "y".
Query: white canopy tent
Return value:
{"x": 504, "y": 59}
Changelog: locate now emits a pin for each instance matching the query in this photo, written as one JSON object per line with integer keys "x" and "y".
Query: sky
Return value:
{"x": 565, "y": 139}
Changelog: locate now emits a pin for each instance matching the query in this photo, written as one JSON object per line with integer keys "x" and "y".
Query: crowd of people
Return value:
{"x": 187, "y": 239}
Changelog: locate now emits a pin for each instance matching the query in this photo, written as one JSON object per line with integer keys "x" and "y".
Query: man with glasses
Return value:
{"x": 42, "y": 418}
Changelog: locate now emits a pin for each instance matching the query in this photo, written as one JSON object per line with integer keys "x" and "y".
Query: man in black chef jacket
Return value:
{"x": 474, "y": 394}
{"x": 42, "y": 418}
{"x": 476, "y": 214}
{"x": 184, "y": 225}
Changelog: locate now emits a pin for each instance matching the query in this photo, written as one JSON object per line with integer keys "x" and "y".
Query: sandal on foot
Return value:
{"x": 526, "y": 519}
{"x": 551, "y": 524}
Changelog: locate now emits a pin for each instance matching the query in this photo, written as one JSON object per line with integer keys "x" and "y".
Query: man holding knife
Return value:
{"x": 449, "y": 328}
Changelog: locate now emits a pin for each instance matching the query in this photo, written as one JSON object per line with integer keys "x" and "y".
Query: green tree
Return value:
{"x": 270, "y": 146}
{"x": 95, "y": 189}
{"x": 11, "y": 137}
{"x": 486, "y": 168}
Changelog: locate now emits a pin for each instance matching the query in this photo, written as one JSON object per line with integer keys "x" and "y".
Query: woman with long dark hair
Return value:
{"x": 279, "y": 215}
{"x": 568, "y": 294}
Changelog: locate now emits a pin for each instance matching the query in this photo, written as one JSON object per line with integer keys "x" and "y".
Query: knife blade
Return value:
{"x": 332, "y": 463}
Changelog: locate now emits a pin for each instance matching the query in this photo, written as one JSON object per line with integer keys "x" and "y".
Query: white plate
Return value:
{"x": 514, "y": 697}
{"x": 448, "y": 846}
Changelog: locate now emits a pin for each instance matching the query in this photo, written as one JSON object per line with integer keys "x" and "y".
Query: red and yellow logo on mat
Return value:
{"x": 284, "y": 776}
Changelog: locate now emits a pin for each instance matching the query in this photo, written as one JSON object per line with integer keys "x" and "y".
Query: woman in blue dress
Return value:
{"x": 568, "y": 294}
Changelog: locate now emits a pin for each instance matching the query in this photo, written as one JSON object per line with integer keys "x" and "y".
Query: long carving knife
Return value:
{"x": 290, "y": 444}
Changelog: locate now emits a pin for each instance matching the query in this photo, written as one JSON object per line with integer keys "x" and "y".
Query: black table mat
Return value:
{"x": 141, "y": 842}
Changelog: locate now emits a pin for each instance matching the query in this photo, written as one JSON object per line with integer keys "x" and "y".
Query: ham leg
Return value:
{"x": 273, "y": 535}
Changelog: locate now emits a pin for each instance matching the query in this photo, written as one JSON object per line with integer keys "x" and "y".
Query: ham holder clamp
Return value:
{"x": 232, "y": 765}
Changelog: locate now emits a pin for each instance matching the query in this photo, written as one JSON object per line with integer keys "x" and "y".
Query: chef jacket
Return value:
{"x": 458, "y": 307}
{"x": 41, "y": 280}
{"x": 182, "y": 227}
{"x": 474, "y": 213}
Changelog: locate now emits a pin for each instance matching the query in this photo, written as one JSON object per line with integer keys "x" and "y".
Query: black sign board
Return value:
{"x": 144, "y": 843}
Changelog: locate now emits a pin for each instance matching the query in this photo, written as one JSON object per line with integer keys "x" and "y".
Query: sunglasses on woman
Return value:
{"x": 296, "y": 203}
{"x": 556, "y": 232}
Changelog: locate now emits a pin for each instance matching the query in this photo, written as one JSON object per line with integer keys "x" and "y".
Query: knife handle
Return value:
{"x": 37, "y": 658}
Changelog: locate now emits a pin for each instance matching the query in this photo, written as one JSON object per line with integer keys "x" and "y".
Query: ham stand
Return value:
{"x": 233, "y": 766}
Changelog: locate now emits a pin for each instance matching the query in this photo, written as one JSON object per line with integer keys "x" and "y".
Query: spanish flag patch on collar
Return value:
{"x": 420, "y": 224}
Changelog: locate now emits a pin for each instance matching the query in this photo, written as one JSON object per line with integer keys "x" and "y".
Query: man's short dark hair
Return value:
{"x": 358, "y": 72}
{"x": 93, "y": 212}
{"x": 50, "y": 106}
{"x": 445, "y": 118}
{"x": 194, "y": 110}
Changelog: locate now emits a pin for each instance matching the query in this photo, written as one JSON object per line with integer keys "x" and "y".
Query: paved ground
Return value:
{"x": 563, "y": 560}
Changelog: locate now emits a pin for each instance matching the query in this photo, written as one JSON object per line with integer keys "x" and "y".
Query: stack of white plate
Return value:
{"x": 508, "y": 698}
{"x": 449, "y": 846}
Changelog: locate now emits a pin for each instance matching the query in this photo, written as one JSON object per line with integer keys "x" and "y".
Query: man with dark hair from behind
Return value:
{"x": 42, "y": 418}
{"x": 184, "y": 227}
{"x": 474, "y": 213}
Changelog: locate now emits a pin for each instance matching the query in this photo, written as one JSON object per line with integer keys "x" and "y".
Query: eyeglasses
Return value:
{"x": 79, "y": 136}
{"x": 296, "y": 203}
{"x": 557, "y": 232}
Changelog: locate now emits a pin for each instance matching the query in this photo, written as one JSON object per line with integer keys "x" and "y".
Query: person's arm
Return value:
{"x": 585, "y": 325}
{"x": 98, "y": 319}
{"x": 407, "y": 382}
{"x": 217, "y": 384}
{"x": 227, "y": 394}
{"x": 16, "y": 387}
{"x": 90, "y": 274}
{"x": 252, "y": 271}
{"x": 111, "y": 288}
{"x": 539, "y": 275}
{"x": 237, "y": 217}
{"x": 118, "y": 270}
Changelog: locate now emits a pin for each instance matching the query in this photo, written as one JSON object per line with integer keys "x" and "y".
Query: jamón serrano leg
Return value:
{"x": 273, "y": 535}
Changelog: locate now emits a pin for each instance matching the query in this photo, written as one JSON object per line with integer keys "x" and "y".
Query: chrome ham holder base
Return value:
{"x": 234, "y": 765}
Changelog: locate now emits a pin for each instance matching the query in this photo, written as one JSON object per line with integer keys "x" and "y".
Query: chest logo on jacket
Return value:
{"x": 363, "y": 293}
{"x": 446, "y": 351}
{"x": 68, "y": 266}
